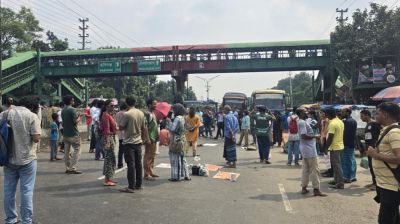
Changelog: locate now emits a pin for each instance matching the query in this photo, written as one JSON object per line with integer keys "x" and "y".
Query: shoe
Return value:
{"x": 109, "y": 184}
{"x": 347, "y": 181}
{"x": 337, "y": 187}
{"x": 297, "y": 164}
{"x": 327, "y": 175}
{"x": 114, "y": 181}
{"x": 74, "y": 172}
{"x": 289, "y": 164}
{"x": 267, "y": 162}
{"x": 318, "y": 193}
{"x": 127, "y": 190}
{"x": 58, "y": 158}
{"x": 120, "y": 167}
{"x": 149, "y": 178}
{"x": 353, "y": 180}
{"x": 188, "y": 178}
{"x": 173, "y": 180}
{"x": 304, "y": 191}
{"x": 261, "y": 161}
{"x": 139, "y": 188}
{"x": 91, "y": 151}
{"x": 332, "y": 182}
{"x": 155, "y": 175}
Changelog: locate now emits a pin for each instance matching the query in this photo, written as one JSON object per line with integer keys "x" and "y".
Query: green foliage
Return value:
{"x": 140, "y": 87}
{"x": 372, "y": 32}
{"x": 19, "y": 30}
{"x": 302, "y": 88}
{"x": 53, "y": 43}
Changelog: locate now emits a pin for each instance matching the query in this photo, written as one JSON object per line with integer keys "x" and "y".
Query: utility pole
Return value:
{"x": 341, "y": 18}
{"x": 313, "y": 86}
{"x": 84, "y": 35}
{"x": 291, "y": 89}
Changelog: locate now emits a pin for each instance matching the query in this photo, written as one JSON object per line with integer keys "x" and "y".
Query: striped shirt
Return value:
{"x": 384, "y": 177}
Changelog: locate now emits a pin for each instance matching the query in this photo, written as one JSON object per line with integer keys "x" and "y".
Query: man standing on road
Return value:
{"x": 71, "y": 135}
{"x": 263, "y": 127}
{"x": 244, "y": 132}
{"x": 386, "y": 161}
{"x": 133, "y": 123}
{"x": 231, "y": 129}
{"x": 371, "y": 135}
{"x": 335, "y": 145}
{"x": 308, "y": 150}
{"x": 151, "y": 146}
{"x": 293, "y": 140}
{"x": 23, "y": 164}
{"x": 349, "y": 164}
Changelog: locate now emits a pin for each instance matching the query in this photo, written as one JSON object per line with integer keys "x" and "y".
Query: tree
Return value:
{"x": 53, "y": 43}
{"x": 302, "y": 84}
{"x": 372, "y": 33}
{"x": 19, "y": 30}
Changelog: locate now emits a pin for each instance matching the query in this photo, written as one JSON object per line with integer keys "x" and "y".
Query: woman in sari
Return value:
{"x": 177, "y": 129}
{"x": 109, "y": 129}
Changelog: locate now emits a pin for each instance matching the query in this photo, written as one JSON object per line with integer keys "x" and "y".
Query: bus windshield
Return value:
{"x": 234, "y": 103}
{"x": 270, "y": 100}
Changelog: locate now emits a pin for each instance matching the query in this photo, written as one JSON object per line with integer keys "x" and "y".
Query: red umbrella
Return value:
{"x": 390, "y": 93}
{"x": 162, "y": 110}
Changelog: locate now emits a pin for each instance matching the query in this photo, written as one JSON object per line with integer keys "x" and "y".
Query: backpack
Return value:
{"x": 293, "y": 129}
{"x": 6, "y": 136}
{"x": 395, "y": 171}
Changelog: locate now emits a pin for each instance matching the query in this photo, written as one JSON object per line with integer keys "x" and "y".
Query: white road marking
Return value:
{"x": 285, "y": 199}
{"x": 117, "y": 171}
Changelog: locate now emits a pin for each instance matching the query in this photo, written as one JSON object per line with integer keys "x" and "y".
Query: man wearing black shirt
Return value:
{"x": 349, "y": 164}
{"x": 371, "y": 136}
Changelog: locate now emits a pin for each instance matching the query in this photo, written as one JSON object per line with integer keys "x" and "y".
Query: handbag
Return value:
{"x": 178, "y": 140}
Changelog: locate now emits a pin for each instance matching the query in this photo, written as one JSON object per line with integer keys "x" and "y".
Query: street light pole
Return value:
{"x": 208, "y": 81}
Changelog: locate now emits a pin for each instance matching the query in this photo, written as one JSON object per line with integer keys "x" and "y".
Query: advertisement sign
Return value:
{"x": 379, "y": 75}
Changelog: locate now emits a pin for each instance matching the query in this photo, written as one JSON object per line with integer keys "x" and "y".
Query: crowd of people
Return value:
{"x": 310, "y": 135}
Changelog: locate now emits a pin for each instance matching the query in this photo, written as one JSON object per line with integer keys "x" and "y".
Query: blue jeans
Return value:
{"x": 99, "y": 152}
{"x": 293, "y": 148}
{"x": 26, "y": 174}
{"x": 53, "y": 149}
{"x": 349, "y": 164}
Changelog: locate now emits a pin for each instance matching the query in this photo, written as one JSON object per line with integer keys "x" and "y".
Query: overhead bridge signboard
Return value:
{"x": 149, "y": 65}
{"x": 113, "y": 66}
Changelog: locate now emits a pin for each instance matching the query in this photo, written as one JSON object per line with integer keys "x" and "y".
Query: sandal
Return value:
{"x": 126, "y": 190}
{"x": 109, "y": 184}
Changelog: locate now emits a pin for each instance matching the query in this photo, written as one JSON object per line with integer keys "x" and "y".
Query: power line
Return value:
{"x": 112, "y": 27}
{"x": 331, "y": 20}
{"x": 48, "y": 20}
{"x": 93, "y": 24}
{"x": 394, "y": 4}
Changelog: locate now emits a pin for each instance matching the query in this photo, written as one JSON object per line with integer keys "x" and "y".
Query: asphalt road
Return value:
{"x": 262, "y": 194}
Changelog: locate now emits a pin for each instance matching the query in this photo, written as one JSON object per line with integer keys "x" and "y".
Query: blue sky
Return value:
{"x": 136, "y": 23}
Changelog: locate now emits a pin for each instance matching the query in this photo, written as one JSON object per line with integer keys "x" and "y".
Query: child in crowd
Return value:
{"x": 54, "y": 137}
